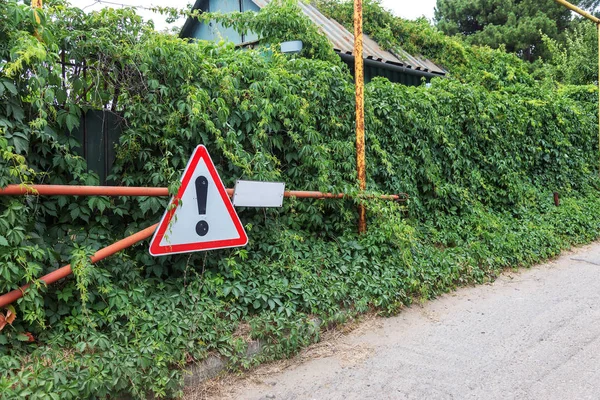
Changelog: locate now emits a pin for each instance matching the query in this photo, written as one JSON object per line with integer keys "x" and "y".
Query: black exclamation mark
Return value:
{"x": 201, "y": 195}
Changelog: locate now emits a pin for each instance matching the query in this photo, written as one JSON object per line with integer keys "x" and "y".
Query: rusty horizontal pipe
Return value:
{"x": 72, "y": 190}
{"x": 66, "y": 190}
{"x": 65, "y": 271}
{"x": 320, "y": 195}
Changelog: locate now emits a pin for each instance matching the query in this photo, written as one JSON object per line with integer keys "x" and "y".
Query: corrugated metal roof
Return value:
{"x": 343, "y": 42}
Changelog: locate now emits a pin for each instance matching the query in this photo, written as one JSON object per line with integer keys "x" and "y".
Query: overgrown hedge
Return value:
{"x": 480, "y": 166}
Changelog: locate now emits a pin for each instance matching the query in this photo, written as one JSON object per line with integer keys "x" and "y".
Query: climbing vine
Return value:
{"x": 479, "y": 153}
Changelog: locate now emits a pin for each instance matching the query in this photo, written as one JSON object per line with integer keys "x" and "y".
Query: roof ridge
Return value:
{"x": 343, "y": 41}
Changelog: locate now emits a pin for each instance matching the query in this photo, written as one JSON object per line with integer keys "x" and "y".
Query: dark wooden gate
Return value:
{"x": 99, "y": 133}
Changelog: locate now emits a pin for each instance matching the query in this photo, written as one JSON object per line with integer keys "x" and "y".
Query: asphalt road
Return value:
{"x": 532, "y": 334}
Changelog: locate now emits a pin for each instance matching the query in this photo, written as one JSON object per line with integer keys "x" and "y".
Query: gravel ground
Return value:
{"x": 532, "y": 334}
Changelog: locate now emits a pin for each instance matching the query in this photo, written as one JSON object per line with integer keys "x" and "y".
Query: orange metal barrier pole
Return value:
{"x": 67, "y": 190}
{"x": 71, "y": 190}
{"x": 64, "y": 190}
{"x": 320, "y": 195}
{"x": 65, "y": 271}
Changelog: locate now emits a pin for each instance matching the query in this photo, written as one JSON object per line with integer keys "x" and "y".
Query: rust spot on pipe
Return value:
{"x": 556, "y": 199}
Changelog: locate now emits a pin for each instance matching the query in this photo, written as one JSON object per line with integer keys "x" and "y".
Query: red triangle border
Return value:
{"x": 157, "y": 250}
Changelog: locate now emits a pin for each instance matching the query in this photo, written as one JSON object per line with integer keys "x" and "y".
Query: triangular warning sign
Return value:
{"x": 200, "y": 216}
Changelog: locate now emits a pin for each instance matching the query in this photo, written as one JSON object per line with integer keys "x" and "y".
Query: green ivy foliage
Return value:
{"x": 480, "y": 157}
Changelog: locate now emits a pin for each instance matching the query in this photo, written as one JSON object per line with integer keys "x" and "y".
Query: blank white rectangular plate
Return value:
{"x": 258, "y": 194}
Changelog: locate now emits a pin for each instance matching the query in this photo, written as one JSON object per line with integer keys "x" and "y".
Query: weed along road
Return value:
{"x": 532, "y": 334}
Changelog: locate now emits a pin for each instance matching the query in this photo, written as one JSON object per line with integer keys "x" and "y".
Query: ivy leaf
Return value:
{"x": 23, "y": 337}
{"x": 21, "y": 142}
{"x": 72, "y": 121}
{"x": 145, "y": 204}
{"x": 11, "y": 88}
{"x": 61, "y": 96}
{"x": 3, "y": 241}
{"x": 75, "y": 212}
{"x": 17, "y": 111}
{"x": 102, "y": 204}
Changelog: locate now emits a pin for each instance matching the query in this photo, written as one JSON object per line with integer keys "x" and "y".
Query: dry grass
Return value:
{"x": 211, "y": 389}
{"x": 243, "y": 331}
{"x": 334, "y": 342}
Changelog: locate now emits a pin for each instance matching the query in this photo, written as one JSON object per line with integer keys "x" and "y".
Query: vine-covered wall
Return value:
{"x": 480, "y": 158}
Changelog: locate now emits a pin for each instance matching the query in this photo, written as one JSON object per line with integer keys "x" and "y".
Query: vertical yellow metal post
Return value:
{"x": 359, "y": 79}
{"x": 36, "y": 4}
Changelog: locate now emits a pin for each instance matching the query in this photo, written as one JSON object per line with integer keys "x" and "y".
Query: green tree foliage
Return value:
{"x": 479, "y": 154}
{"x": 576, "y": 60}
{"x": 473, "y": 64}
{"x": 589, "y": 5}
{"x": 516, "y": 25}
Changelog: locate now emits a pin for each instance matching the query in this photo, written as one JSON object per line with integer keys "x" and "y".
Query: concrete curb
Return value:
{"x": 212, "y": 366}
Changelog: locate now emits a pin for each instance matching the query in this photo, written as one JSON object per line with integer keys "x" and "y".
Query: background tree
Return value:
{"x": 573, "y": 61}
{"x": 589, "y": 5}
{"x": 518, "y": 25}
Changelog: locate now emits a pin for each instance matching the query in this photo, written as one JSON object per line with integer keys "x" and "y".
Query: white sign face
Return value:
{"x": 201, "y": 216}
{"x": 258, "y": 194}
